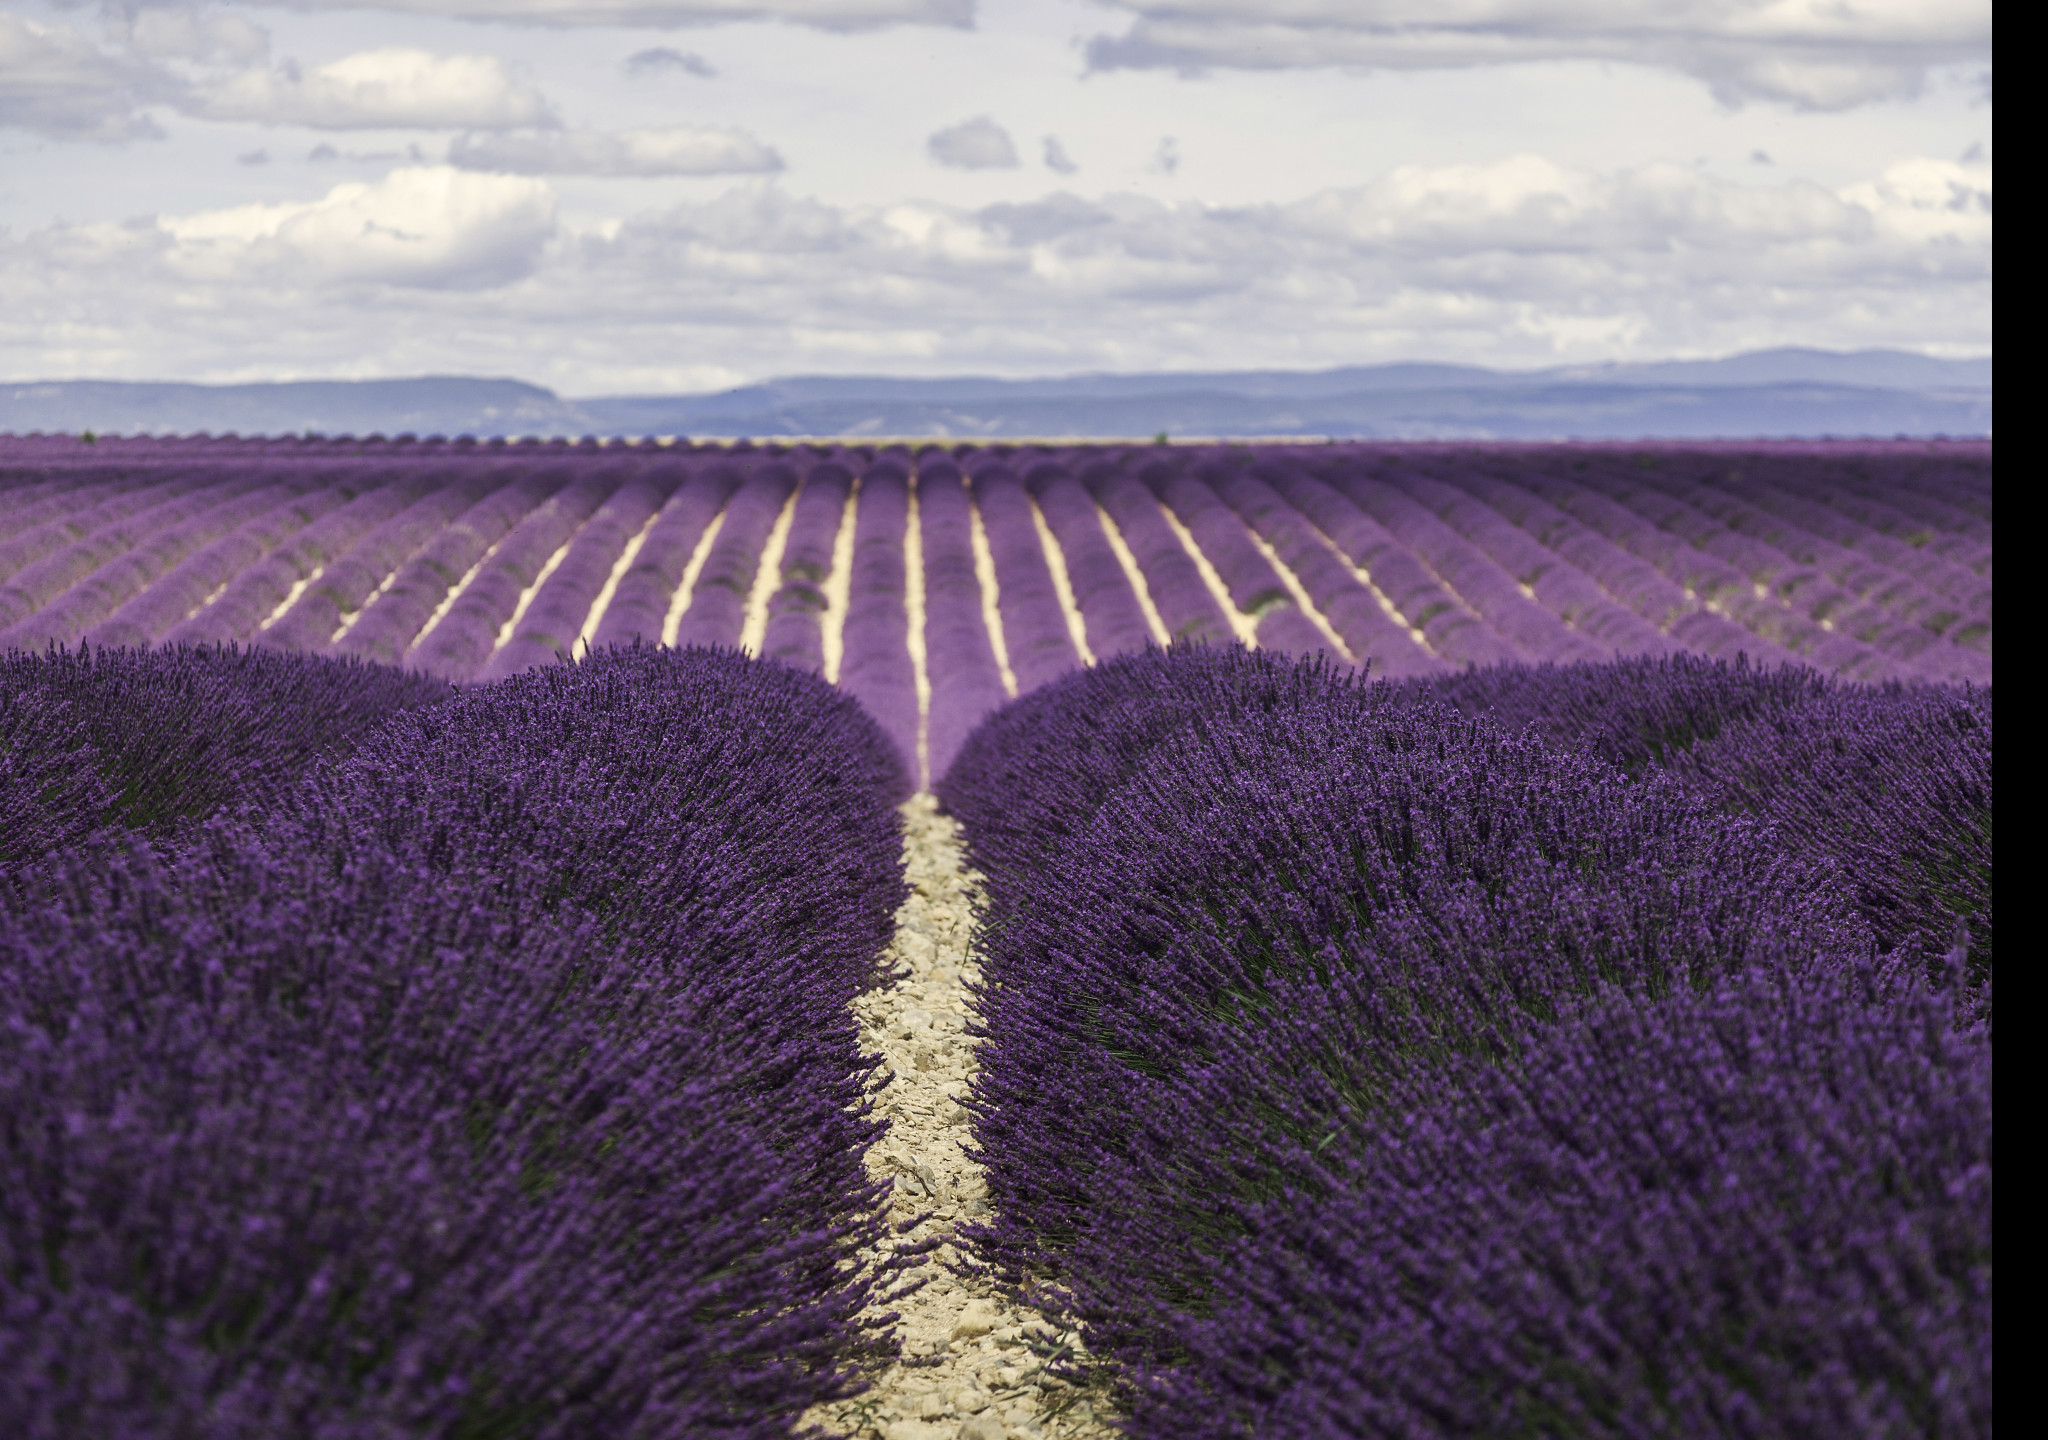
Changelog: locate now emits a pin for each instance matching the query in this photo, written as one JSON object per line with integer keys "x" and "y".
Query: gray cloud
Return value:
{"x": 1808, "y": 55}
{"x": 662, "y": 60}
{"x": 668, "y": 14}
{"x": 186, "y": 32}
{"x": 677, "y": 150}
{"x": 977, "y": 144}
{"x": 55, "y": 82}
{"x": 1056, "y": 158}
{"x": 1517, "y": 261}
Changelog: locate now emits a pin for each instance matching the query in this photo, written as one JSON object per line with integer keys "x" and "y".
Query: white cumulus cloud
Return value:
{"x": 1519, "y": 260}
{"x": 391, "y": 88}
{"x": 422, "y": 225}
{"x": 1812, "y": 54}
{"x": 676, "y": 150}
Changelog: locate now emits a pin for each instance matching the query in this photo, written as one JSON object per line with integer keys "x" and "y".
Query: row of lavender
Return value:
{"x": 1601, "y": 1050}
{"x": 383, "y": 1059}
{"x": 473, "y": 562}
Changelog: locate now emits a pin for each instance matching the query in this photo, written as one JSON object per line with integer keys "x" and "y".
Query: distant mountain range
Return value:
{"x": 1763, "y": 393}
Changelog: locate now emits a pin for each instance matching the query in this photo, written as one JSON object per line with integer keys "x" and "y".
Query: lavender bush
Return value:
{"x": 1281, "y": 914}
{"x": 1450, "y": 629}
{"x": 1786, "y": 1232}
{"x": 92, "y": 511}
{"x": 1566, "y": 590}
{"x": 1354, "y": 611}
{"x": 499, "y": 1079}
{"x": 170, "y": 736}
{"x": 34, "y": 586}
{"x": 1638, "y": 715}
{"x": 1891, "y": 784}
{"x": 1254, "y": 586}
{"x": 640, "y": 605}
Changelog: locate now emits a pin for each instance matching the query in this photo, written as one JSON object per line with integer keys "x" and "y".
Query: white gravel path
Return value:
{"x": 973, "y": 1358}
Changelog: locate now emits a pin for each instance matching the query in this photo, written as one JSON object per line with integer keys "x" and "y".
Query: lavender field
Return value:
{"x": 474, "y": 562}
{"x": 1412, "y": 940}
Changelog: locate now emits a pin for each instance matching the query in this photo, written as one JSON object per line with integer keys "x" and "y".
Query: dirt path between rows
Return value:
{"x": 972, "y": 1366}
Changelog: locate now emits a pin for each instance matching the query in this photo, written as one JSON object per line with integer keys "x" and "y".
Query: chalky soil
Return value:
{"x": 973, "y": 1360}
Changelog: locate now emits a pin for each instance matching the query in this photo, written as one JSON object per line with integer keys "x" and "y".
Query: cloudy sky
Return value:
{"x": 611, "y": 196}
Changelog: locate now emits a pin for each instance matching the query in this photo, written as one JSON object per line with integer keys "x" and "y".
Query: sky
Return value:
{"x": 644, "y": 196}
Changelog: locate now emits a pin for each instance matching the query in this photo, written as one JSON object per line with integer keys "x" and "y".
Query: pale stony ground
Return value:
{"x": 975, "y": 1358}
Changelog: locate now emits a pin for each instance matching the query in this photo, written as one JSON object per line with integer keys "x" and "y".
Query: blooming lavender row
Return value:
{"x": 1372, "y": 635}
{"x": 1787, "y": 491}
{"x": 640, "y": 606}
{"x": 1178, "y": 592}
{"x": 462, "y": 642}
{"x": 1252, "y": 583}
{"x": 1632, "y": 580}
{"x": 1719, "y": 585}
{"x": 1038, "y": 643}
{"x": 1784, "y": 618}
{"x": 34, "y": 586}
{"x": 795, "y": 631}
{"x": 1720, "y": 549}
{"x": 718, "y": 601}
{"x": 959, "y": 656}
{"x": 1916, "y": 517}
{"x": 1560, "y": 586}
{"x": 1834, "y": 579}
{"x": 501, "y": 1078}
{"x": 550, "y": 627}
{"x": 875, "y": 665}
{"x": 385, "y": 629}
{"x": 103, "y": 590}
{"x": 1761, "y": 498}
{"x": 60, "y": 498}
{"x": 1113, "y": 622}
{"x": 1264, "y": 941}
{"x": 1411, "y": 588}
{"x": 206, "y": 572}
{"x": 332, "y": 600}
{"x": 93, "y": 510}
{"x": 254, "y": 595}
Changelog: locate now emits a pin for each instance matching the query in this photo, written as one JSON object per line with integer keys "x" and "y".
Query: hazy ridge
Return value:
{"x": 1786, "y": 392}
